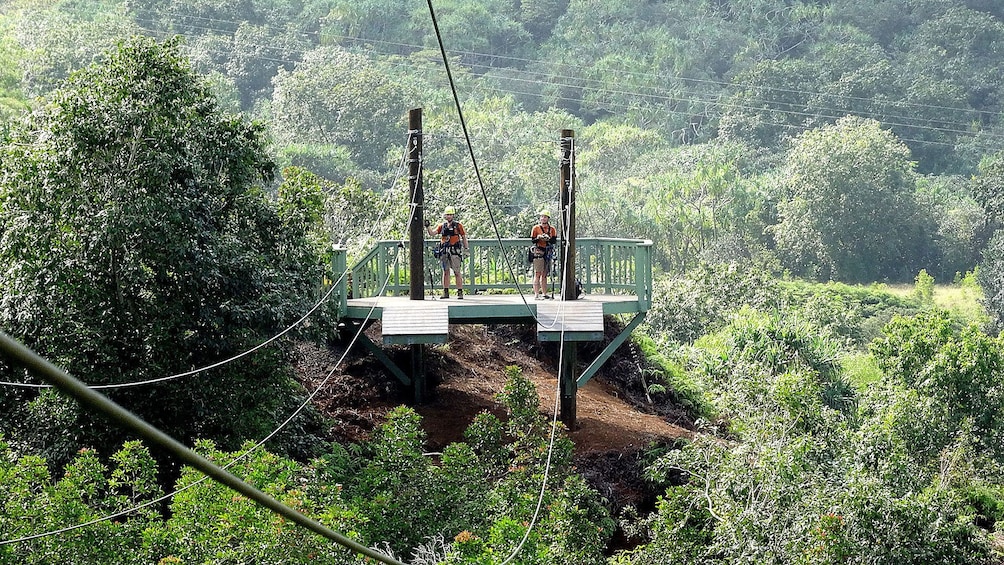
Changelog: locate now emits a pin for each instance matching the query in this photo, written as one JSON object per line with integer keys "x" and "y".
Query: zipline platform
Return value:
{"x": 406, "y": 321}
{"x": 615, "y": 276}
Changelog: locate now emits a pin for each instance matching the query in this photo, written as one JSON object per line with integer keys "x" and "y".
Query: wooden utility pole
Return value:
{"x": 569, "y": 349}
{"x": 416, "y": 242}
{"x": 567, "y": 195}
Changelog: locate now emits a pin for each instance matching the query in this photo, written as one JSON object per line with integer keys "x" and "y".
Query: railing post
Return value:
{"x": 643, "y": 273}
{"x": 339, "y": 270}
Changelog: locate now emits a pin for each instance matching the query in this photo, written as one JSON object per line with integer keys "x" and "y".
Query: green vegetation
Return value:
{"x": 818, "y": 473}
{"x": 823, "y": 182}
{"x": 471, "y": 505}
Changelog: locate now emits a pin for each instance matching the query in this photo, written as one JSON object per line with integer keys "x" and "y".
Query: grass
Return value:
{"x": 861, "y": 369}
{"x": 961, "y": 300}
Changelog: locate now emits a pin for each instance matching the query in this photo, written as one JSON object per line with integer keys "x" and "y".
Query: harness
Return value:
{"x": 546, "y": 252}
{"x": 448, "y": 230}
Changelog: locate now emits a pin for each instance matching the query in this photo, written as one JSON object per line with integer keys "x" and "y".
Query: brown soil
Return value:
{"x": 614, "y": 423}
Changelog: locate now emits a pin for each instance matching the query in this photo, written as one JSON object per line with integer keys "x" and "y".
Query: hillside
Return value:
{"x": 614, "y": 425}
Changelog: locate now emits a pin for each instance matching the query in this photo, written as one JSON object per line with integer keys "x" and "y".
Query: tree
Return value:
{"x": 338, "y": 97}
{"x": 848, "y": 210}
{"x": 950, "y": 67}
{"x": 639, "y": 61}
{"x": 137, "y": 243}
{"x": 988, "y": 190}
{"x": 55, "y": 42}
{"x": 991, "y": 279}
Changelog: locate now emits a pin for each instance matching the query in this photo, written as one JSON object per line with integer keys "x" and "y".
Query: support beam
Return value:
{"x": 566, "y": 178}
{"x": 569, "y": 354}
{"x": 604, "y": 355}
{"x": 416, "y": 243}
{"x": 569, "y": 349}
{"x": 382, "y": 357}
{"x": 416, "y": 229}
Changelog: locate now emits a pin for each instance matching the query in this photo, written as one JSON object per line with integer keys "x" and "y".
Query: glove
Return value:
{"x": 427, "y": 223}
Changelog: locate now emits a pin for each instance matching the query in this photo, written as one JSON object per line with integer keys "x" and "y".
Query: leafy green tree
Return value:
{"x": 480, "y": 33}
{"x": 988, "y": 190}
{"x": 767, "y": 104}
{"x": 949, "y": 67}
{"x": 138, "y": 243}
{"x": 959, "y": 220}
{"x": 989, "y": 276}
{"x": 337, "y": 97}
{"x": 958, "y": 373}
{"x": 848, "y": 210}
{"x": 57, "y": 39}
{"x": 636, "y": 61}
{"x": 35, "y": 502}
{"x": 385, "y": 22}
{"x": 800, "y": 482}
{"x": 695, "y": 202}
{"x": 12, "y": 101}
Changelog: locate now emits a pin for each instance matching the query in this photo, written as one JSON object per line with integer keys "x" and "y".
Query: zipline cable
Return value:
{"x": 554, "y": 428}
{"x": 474, "y": 161}
{"x": 95, "y": 400}
{"x": 561, "y": 306}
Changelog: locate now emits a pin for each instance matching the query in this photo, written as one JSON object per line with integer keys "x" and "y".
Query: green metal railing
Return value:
{"x": 603, "y": 266}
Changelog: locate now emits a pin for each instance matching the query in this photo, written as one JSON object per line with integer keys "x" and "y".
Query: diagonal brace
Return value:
{"x": 377, "y": 352}
{"x": 593, "y": 367}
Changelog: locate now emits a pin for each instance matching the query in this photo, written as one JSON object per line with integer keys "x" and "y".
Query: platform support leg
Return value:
{"x": 568, "y": 385}
{"x": 418, "y": 372}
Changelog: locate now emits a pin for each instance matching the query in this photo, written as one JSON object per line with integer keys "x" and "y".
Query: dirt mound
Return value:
{"x": 614, "y": 423}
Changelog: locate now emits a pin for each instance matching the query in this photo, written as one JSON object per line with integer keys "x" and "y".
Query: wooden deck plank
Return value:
{"x": 573, "y": 320}
{"x": 415, "y": 321}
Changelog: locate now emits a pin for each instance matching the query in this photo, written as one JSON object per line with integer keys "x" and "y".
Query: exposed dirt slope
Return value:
{"x": 614, "y": 423}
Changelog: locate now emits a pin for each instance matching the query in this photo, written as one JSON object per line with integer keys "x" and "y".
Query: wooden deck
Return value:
{"x": 406, "y": 321}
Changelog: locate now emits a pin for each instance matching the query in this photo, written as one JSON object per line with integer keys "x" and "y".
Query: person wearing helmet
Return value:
{"x": 543, "y": 235}
{"x": 449, "y": 250}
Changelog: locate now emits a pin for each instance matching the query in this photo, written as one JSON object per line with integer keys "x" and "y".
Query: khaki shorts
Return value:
{"x": 541, "y": 265}
{"x": 450, "y": 261}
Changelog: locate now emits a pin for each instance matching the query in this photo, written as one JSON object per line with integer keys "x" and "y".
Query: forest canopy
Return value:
{"x": 176, "y": 175}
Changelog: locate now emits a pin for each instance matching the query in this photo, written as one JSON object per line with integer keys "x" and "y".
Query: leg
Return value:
{"x": 446, "y": 279}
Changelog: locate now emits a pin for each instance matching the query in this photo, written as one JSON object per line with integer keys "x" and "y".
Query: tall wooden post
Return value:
{"x": 416, "y": 242}
{"x": 567, "y": 195}
{"x": 569, "y": 349}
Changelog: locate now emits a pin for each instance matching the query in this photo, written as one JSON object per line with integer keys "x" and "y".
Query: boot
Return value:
{"x": 446, "y": 293}
{"x": 460, "y": 294}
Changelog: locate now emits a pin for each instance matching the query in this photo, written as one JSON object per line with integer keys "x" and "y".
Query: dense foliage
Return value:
{"x": 702, "y": 125}
{"x": 166, "y": 203}
{"x": 906, "y": 471}
{"x": 471, "y": 504}
{"x": 138, "y": 243}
